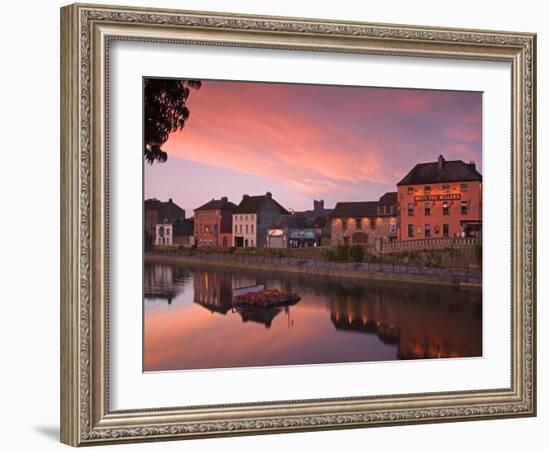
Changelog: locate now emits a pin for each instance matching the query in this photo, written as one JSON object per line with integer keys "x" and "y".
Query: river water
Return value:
{"x": 189, "y": 321}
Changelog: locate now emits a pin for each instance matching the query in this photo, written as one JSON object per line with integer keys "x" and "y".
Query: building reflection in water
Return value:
{"x": 414, "y": 321}
{"x": 164, "y": 282}
{"x": 420, "y": 325}
{"x": 213, "y": 290}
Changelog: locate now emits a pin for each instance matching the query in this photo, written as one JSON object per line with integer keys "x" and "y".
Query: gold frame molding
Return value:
{"x": 86, "y": 31}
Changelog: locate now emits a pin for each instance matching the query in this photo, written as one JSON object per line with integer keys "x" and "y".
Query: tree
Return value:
{"x": 165, "y": 112}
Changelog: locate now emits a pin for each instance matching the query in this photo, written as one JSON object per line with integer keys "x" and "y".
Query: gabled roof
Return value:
{"x": 388, "y": 199}
{"x": 251, "y": 204}
{"x": 355, "y": 209}
{"x": 166, "y": 211}
{"x": 214, "y": 205}
{"x": 451, "y": 171}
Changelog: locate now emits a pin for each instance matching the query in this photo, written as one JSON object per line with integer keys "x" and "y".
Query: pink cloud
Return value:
{"x": 315, "y": 138}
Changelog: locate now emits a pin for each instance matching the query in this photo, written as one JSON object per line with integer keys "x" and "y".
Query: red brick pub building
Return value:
{"x": 440, "y": 199}
{"x": 213, "y": 223}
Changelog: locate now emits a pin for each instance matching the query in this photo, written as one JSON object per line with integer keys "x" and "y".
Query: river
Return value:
{"x": 189, "y": 321}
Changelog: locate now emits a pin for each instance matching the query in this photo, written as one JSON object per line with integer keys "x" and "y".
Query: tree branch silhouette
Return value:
{"x": 165, "y": 112}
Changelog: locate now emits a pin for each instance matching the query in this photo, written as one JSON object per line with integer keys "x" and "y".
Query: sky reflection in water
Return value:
{"x": 189, "y": 322}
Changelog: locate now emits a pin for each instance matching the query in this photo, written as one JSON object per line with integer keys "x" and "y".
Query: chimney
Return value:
{"x": 245, "y": 196}
{"x": 318, "y": 205}
{"x": 169, "y": 200}
{"x": 268, "y": 194}
{"x": 440, "y": 162}
{"x": 473, "y": 164}
{"x": 224, "y": 199}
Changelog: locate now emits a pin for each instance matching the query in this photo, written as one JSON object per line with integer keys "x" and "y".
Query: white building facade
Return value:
{"x": 245, "y": 229}
{"x": 164, "y": 233}
{"x": 252, "y": 218}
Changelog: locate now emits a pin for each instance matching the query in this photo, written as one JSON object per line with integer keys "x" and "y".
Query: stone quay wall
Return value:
{"x": 407, "y": 273}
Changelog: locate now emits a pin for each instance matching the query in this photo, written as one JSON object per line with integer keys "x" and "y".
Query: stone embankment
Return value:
{"x": 408, "y": 273}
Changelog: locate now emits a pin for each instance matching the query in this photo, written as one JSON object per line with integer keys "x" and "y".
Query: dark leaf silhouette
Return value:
{"x": 165, "y": 112}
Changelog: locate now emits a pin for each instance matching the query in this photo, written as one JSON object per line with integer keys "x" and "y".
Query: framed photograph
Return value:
{"x": 276, "y": 225}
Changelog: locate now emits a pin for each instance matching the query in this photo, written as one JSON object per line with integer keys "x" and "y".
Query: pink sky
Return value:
{"x": 305, "y": 142}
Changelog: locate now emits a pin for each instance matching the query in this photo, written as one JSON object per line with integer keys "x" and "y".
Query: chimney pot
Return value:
{"x": 169, "y": 200}
{"x": 224, "y": 199}
{"x": 440, "y": 162}
{"x": 268, "y": 194}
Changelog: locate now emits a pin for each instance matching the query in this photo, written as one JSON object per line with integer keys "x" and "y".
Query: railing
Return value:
{"x": 429, "y": 244}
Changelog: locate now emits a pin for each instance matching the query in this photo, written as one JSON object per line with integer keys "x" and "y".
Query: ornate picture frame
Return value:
{"x": 86, "y": 34}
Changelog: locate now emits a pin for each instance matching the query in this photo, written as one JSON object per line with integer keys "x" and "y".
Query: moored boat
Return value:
{"x": 265, "y": 298}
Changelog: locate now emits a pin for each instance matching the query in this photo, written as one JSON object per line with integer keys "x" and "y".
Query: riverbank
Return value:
{"x": 402, "y": 273}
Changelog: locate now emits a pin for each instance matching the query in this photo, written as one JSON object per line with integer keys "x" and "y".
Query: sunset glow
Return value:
{"x": 310, "y": 141}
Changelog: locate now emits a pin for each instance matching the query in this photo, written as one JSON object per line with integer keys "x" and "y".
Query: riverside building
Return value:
{"x": 440, "y": 199}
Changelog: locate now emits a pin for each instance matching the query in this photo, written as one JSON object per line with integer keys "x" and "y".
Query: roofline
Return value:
{"x": 439, "y": 182}
{"x": 433, "y": 162}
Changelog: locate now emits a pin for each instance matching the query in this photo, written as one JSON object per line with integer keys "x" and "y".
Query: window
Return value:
{"x": 393, "y": 228}
{"x": 252, "y": 229}
{"x": 445, "y": 230}
{"x": 240, "y": 229}
{"x": 358, "y": 223}
{"x": 246, "y": 228}
{"x": 464, "y": 187}
{"x": 445, "y": 187}
{"x": 445, "y": 208}
{"x": 410, "y": 209}
{"x": 167, "y": 231}
{"x": 236, "y": 227}
{"x": 427, "y": 230}
{"x": 252, "y": 242}
{"x": 344, "y": 224}
{"x": 427, "y": 209}
{"x": 410, "y": 230}
{"x": 463, "y": 207}
{"x": 427, "y": 189}
{"x": 373, "y": 224}
{"x": 410, "y": 190}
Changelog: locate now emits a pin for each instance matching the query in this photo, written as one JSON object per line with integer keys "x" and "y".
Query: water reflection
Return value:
{"x": 195, "y": 326}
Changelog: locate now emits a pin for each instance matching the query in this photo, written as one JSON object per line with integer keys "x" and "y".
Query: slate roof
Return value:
{"x": 355, "y": 209}
{"x": 253, "y": 203}
{"x": 184, "y": 227}
{"x": 388, "y": 199}
{"x": 426, "y": 173}
{"x": 214, "y": 205}
{"x": 166, "y": 211}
